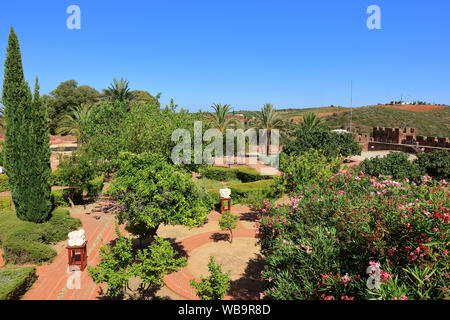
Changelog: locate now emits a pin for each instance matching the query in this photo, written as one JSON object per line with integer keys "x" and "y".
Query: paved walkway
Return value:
{"x": 99, "y": 227}
{"x": 179, "y": 282}
{"x": 53, "y": 278}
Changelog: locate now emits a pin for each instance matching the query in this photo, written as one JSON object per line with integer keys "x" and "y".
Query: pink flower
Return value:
{"x": 346, "y": 279}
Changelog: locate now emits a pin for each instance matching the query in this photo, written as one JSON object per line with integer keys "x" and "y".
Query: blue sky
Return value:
{"x": 244, "y": 53}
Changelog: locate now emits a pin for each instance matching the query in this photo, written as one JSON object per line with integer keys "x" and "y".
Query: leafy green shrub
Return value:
{"x": 95, "y": 186}
{"x": 58, "y": 199}
{"x": 14, "y": 282}
{"x": 56, "y": 178}
{"x": 228, "y": 221}
{"x": 59, "y": 225}
{"x": 215, "y": 286}
{"x": 436, "y": 164}
{"x": 249, "y": 174}
{"x": 332, "y": 144}
{"x": 120, "y": 262}
{"x": 27, "y": 242}
{"x": 4, "y": 186}
{"x": 154, "y": 192}
{"x": 308, "y": 168}
{"x": 244, "y": 174}
{"x": 5, "y": 204}
{"x": 358, "y": 237}
{"x": 394, "y": 164}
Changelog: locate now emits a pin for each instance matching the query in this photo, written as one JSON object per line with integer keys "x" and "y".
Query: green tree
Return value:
{"x": 65, "y": 97}
{"x": 221, "y": 118}
{"x": 228, "y": 221}
{"x": 332, "y": 144}
{"x": 215, "y": 286}
{"x": 267, "y": 119}
{"x": 311, "y": 121}
{"x": 153, "y": 192}
{"x": 26, "y": 146}
{"x": 76, "y": 171}
{"x": 75, "y": 120}
{"x": 119, "y": 90}
{"x": 146, "y": 98}
{"x": 119, "y": 263}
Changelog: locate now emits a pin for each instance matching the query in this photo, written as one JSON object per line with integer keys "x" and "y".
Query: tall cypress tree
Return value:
{"x": 26, "y": 148}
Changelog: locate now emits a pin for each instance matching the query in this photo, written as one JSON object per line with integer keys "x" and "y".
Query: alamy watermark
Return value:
{"x": 74, "y": 20}
{"x": 374, "y": 20}
{"x": 241, "y": 147}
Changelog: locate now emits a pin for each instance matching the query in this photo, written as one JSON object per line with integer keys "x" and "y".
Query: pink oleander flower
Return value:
{"x": 346, "y": 280}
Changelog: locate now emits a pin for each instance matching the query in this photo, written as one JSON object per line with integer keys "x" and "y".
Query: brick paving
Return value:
{"x": 52, "y": 281}
{"x": 53, "y": 278}
{"x": 179, "y": 282}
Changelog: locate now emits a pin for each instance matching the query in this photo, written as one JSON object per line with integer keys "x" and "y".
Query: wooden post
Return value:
{"x": 222, "y": 200}
{"x": 81, "y": 252}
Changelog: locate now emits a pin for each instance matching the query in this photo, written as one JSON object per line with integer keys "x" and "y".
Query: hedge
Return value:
{"x": 95, "y": 186}
{"x": 27, "y": 242}
{"x": 14, "y": 282}
{"x": 243, "y": 190}
{"x": 4, "y": 186}
{"x": 245, "y": 174}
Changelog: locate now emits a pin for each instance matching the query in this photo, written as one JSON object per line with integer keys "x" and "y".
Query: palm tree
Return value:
{"x": 119, "y": 90}
{"x": 267, "y": 119}
{"x": 221, "y": 119}
{"x": 311, "y": 121}
{"x": 75, "y": 120}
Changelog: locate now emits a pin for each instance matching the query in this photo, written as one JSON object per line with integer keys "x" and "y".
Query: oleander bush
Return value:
{"x": 359, "y": 238}
{"x": 4, "y": 186}
{"x": 15, "y": 282}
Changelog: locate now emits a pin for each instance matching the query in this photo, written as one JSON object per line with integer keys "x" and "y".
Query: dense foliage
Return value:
{"x": 26, "y": 242}
{"x": 332, "y": 144}
{"x": 228, "y": 221}
{"x": 308, "y": 168}
{"x": 26, "y": 148}
{"x": 396, "y": 164}
{"x": 436, "y": 164}
{"x": 119, "y": 263}
{"x": 153, "y": 192}
{"x": 322, "y": 245}
{"x": 215, "y": 285}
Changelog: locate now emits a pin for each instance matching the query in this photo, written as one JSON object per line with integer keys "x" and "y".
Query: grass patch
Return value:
{"x": 14, "y": 282}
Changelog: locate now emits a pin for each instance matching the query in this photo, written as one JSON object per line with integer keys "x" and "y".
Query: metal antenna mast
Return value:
{"x": 351, "y": 104}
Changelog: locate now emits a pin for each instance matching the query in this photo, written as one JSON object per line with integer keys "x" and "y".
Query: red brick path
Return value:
{"x": 179, "y": 282}
{"x": 52, "y": 281}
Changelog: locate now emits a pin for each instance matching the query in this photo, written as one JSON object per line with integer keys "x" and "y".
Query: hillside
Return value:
{"x": 431, "y": 120}
{"x": 434, "y": 122}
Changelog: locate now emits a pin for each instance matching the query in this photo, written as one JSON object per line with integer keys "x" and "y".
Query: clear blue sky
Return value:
{"x": 241, "y": 52}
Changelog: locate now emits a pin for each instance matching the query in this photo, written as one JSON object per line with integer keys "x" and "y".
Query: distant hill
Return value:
{"x": 431, "y": 120}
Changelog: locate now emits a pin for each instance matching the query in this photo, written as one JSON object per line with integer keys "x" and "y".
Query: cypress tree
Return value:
{"x": 26, "y": 148}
